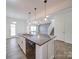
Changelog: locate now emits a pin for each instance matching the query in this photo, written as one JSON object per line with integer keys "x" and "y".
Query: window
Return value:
{"x": 33, "y": 29}
{"x": 12, "y": 26}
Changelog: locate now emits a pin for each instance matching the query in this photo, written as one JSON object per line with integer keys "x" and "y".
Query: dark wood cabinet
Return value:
{"x": 30, "y": 49}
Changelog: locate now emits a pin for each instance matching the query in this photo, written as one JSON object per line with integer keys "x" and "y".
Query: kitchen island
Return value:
{"x": 38, "y": 46}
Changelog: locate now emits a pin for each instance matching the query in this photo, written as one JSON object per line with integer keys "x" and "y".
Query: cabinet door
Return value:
{"x": 30, "y": 49}
{"x": 41, "y": 52}
{"x": 51, "y": 49}
{"x": 23, "y": 45}
{"x": 19, "y": 41}
{"x": 45, "y": 51}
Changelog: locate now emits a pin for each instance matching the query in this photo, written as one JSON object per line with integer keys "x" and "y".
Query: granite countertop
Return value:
{"x": 39, "y": 39}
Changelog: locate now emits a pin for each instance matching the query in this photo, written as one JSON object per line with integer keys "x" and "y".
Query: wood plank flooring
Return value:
{"x": 13, "y": 51}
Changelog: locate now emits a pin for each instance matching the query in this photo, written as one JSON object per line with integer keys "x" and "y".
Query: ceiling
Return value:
{"x": 20, "y": 9}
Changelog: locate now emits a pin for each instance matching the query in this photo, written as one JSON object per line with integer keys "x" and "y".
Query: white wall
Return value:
{"x": 20, "y": 26}
{"x": 7, "y": 29}
{"x": 68, "y": 27}
{"x": 63, "y": 25}
{"x": 28, "y": 28}
{"x": 59, "y": 26}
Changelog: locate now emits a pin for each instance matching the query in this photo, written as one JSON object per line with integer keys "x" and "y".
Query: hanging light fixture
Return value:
{"x": 45, "y": 1}
{"x": 35, "y": 13}
{"x": 29, "y": 13}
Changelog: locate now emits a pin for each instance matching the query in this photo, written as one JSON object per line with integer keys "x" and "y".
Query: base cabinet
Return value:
{"x": 34, "y": 51}
{"x": 27, "y": 46}
{"x": 45, "y": 51}
{"x": 22, "y": 43}
{"x": 30, "y": 49}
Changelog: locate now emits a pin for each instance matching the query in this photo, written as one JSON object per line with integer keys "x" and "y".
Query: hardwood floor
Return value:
{"x": 13, "y": 51}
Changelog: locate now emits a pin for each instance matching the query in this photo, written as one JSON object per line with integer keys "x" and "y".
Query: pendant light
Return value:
{"x": 45, "y": 1}
{"x": 35, "y": 13}
{"x": 29, "y": 14}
